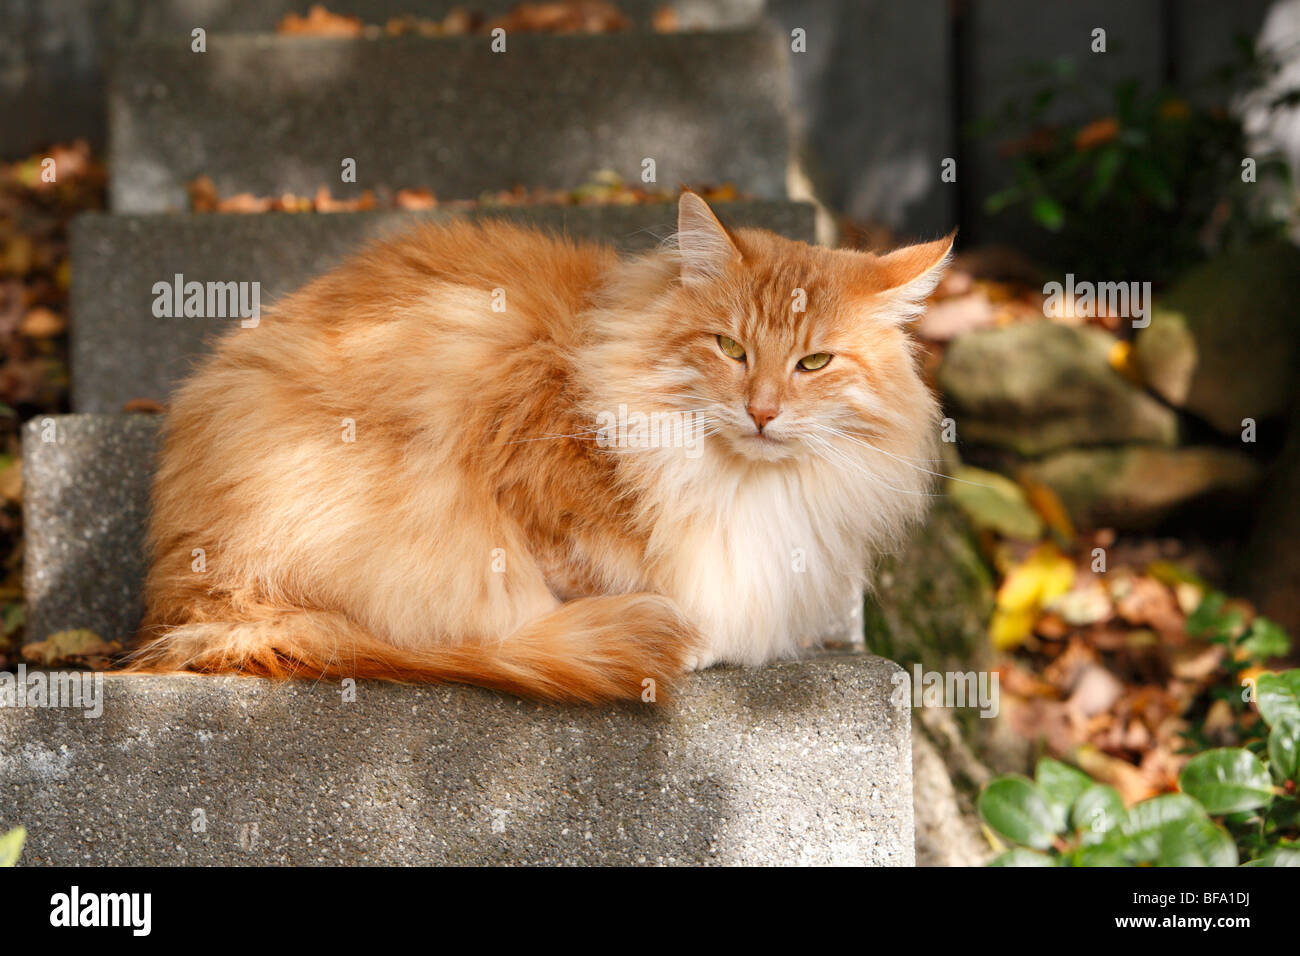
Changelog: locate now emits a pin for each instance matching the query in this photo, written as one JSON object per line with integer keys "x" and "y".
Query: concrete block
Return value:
{"x": 796, "y": 763}
{"x": 275, "y": 114}
{"x": 85, "y": 505}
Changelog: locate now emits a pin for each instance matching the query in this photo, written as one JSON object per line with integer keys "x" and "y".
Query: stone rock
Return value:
{"x": 794, "y": 763}
{"x": 1224, "y": 342}
{"x": 947, "y": 826}
{"x": 273, "y": 114}
{"x": 1270, "y": 566}
{"x": 1038, "y": 387}
{"x": 121, "y": 351}
{"x": 932, "y": 600}
{"x": 85, "y": 506}
{"x": 1136, "y": 487}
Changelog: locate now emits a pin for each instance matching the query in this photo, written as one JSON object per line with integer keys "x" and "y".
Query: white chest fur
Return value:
{"x": 765, "y": 565}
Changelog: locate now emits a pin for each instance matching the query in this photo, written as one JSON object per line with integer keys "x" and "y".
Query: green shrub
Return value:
{"x": 1235, "y": 805}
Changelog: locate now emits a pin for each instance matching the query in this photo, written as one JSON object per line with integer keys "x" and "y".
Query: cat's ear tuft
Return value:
{"x": 906, "y": 277}
{"x": 706, "y": 247}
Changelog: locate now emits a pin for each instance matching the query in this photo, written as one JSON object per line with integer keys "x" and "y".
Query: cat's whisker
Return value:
{"x": 834, "y": 456}
{"x": 903, "y": 459}
{"x": 861, "y": 441}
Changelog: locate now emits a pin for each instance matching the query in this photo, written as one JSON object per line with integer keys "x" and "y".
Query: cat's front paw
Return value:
{"x": 699, "y": 660}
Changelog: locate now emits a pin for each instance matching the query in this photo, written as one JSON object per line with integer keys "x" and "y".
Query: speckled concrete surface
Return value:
{"x": 274, "y": 114}
{"x": 85, "y": 506}
{"x": 798, "y": 763}
{"x": 121, "y": 350}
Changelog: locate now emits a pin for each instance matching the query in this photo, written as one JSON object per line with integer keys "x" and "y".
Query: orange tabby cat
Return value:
{"x": 476, "y": 453}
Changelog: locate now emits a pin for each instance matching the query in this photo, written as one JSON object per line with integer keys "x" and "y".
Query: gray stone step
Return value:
{"x": 803, "y": 763}
{"x": 274, "y": 114}
{"x": 85, "y": 506}
{"x": 120, "y": 351}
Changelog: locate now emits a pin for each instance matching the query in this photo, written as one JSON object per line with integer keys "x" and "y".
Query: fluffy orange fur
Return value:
{"x": 389, "y": 478}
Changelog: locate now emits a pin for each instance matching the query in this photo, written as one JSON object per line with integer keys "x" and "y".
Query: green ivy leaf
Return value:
{"x": 1107, "y": 854}
{"x": 1284, "y": 750}
{"x": 1265, "y": 640}
{"x": 1017, "y": 808}
{"x": 1276, "y": 856}
{"x": 1206, "y": 616}
{"x": 1278, "y": 696}
{"x": 11, "y": 846}
{"x": 1227, "y": 780}
{"x": 1139, "y": 835}
{"x": 1097, "y": 811}
{"x": 1197, "y": 842}
{"x": 1022, "y": 857}
{"x": 1048, "y": 213}
{"x": 1062, "y": 784}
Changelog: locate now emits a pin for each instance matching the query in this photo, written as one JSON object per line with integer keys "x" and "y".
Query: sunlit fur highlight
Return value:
{"x": 475, "y": 451}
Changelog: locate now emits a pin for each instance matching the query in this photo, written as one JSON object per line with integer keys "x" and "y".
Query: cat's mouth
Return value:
{"x": 762, "y": 446}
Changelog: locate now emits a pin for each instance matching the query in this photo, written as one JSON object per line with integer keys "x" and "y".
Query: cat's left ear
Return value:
{"x": 706, "y": 247}
{"x": 904, "y": 278}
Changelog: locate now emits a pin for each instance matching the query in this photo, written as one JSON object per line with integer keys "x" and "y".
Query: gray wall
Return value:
{"x": 882, "y": 93}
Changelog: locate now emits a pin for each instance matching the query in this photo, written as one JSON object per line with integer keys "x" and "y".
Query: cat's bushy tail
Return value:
{"x": 589, "y": 650}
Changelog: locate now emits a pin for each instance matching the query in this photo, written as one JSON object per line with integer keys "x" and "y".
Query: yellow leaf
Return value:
{"x": 1007, "y": 629}
{"x": 1042, "y": 577}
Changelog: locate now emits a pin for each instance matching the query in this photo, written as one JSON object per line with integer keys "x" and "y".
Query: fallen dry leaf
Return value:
{"x": 42, "y": 323}
{"x": 146, "y": 406}
{"x": 319, "y": 22}
{"x": 71, "y": 647}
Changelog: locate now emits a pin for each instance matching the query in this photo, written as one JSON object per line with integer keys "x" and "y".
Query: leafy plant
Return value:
{"x": 1250, "y": 644}
{"x": 1137, "y": 185}
{"x": 1233, "y": 804}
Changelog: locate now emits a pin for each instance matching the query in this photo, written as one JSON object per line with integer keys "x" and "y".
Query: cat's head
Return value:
{"x": 783, "y": 350}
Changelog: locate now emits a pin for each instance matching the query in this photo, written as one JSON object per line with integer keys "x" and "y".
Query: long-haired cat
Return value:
{"x": 477, "y": 453}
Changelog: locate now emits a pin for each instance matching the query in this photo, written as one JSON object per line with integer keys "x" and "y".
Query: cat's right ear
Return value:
{"x": 706, "y": 247}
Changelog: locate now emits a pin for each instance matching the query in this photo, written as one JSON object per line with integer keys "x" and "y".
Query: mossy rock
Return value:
{"x": 1136, "y": 488}
{"x": 933, "y": 599}
{"x": 1038, "y": 387}
{"x": 1223, "y": 343}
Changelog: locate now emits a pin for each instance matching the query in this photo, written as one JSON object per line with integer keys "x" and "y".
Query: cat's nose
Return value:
{"x": 763, "y": 412}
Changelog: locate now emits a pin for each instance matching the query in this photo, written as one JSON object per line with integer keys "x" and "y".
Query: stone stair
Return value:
{"x": 791, "y": 764}
{"x": 121, "y": 351}
{"x": 803, "y": 762}
{"x": 276, "y": 114}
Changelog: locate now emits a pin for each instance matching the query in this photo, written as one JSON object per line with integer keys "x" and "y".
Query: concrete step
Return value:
{"x": 86, "y": 485}
{"x": 120, "y": 351}
{"x": 275, "y": 114}
{"x": 179, "y": 17}
{"x": 797, "y": 763}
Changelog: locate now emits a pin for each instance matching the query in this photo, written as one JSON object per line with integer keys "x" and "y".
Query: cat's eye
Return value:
{"x": 811, "y": 363}
{"x": 731, "y": 348}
